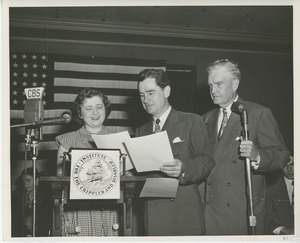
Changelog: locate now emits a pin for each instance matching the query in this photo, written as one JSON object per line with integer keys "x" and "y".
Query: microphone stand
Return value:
{"x": 33, "y": 136}
{"x": 252, "y": 218}
{"x": 66, "y": 155}
{"x": 123, "y": 163}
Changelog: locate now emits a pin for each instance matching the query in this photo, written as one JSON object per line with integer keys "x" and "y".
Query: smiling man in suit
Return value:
{"x": 183, "y": 215}
{"x": 227, "y": 206}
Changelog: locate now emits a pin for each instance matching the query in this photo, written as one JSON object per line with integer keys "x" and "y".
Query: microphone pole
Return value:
{"x": 242, "y": 110}
{"x": 34, "y": 120}
{"x": 34, "y": 146}
{"x": 34, "y": 112}
{"x": 252, "y": 218}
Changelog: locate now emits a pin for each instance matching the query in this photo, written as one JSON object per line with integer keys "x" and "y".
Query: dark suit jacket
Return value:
{"x": 279, "y": 209}
{"x": 226, "y": 197}
{"x": 184, "y": 214}
{"x": 19, "y": 214}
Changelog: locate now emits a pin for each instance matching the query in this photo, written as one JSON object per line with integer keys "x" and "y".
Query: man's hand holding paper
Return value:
{"x": 173, "y": 168}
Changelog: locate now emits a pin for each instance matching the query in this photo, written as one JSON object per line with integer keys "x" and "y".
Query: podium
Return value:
{"x": 60, "y": 186}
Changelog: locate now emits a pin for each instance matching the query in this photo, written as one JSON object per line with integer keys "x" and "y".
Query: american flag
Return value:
{"x": 63, "y": 77}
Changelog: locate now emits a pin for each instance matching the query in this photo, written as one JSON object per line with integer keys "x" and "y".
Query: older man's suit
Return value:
{"x": 226, "y": 190}
{"x": 183, "y": 215}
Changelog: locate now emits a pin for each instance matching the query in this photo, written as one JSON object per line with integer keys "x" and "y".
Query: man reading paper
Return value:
{"x": 182, "y": 215}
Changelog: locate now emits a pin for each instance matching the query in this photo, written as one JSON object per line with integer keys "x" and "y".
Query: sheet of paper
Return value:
{"x": 115, "y": 141}
{"x": 160, "y": 187}
{"x": 148, "y": 153}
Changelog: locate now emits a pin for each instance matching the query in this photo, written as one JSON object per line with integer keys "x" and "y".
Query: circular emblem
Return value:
{"x": 95, "y": 174}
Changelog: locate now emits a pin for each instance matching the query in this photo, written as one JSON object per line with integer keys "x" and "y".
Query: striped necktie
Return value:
{"x": 223, "y": 124}
{"x": 157, "y": 126}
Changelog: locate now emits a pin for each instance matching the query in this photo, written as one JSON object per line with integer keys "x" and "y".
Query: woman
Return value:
{"x": 90, "y": 110}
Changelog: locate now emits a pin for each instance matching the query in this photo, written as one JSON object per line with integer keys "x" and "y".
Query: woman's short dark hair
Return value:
{"x": 159, "y": 75}
{"x": 89, "y": 93}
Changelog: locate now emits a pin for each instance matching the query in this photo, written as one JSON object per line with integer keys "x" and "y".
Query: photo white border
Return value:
{"x": 68, "y": 3}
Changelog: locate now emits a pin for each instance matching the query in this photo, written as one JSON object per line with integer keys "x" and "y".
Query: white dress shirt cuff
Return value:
{"x": 255, "y": 164}
{"x": 278, "y": 229}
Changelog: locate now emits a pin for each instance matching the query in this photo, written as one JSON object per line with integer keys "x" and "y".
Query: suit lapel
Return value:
{"x": 230, "y": 134}
{"x": 171, "y": 124}
{"x": 212, "y": 129}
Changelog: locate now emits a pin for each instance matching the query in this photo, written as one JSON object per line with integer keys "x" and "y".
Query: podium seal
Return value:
{"x": 95, "y": 174}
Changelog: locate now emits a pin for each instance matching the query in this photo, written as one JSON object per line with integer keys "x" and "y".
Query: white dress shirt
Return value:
{"x": 162, "y": 119}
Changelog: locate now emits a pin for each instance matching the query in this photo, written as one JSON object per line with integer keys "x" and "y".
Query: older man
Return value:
{"x": 227, "y": 206}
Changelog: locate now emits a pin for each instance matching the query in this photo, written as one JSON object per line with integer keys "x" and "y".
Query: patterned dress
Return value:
{"x": 94, "y": 220}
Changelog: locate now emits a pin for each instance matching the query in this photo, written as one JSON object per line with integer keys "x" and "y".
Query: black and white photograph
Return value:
{"x": 149, "y": 121}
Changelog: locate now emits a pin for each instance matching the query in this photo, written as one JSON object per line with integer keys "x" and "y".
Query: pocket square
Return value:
{"x": 177, "y": 140}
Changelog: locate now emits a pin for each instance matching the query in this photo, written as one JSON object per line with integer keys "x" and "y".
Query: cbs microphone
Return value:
{"x": 34, "y": 108}
{"x": 64, "y": 119}
{"x": 33, "y": 112}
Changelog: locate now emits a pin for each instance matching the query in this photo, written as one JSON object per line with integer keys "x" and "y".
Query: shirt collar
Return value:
{"x": 164, "y": 117}
{"x": 228, "y": 108}
{"x": 288, "y": 181}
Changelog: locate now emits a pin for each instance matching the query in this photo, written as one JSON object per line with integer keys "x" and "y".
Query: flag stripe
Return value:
{"x": 106, "y": 91}
{"x": 57, "y": 113}
{"x": 95, "y": 76}
{"x": 94, "y": 68}
{"x": 97, "y": 83}
{"x": 129, "y": 62}
{"x": 71, "y": 97}
{"x": 117, "y": 107}
{"x": 119, "y": 111}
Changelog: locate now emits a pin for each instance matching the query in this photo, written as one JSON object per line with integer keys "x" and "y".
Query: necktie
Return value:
{"x": 157, "y": 126}
{"x": 223, "y": 124}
